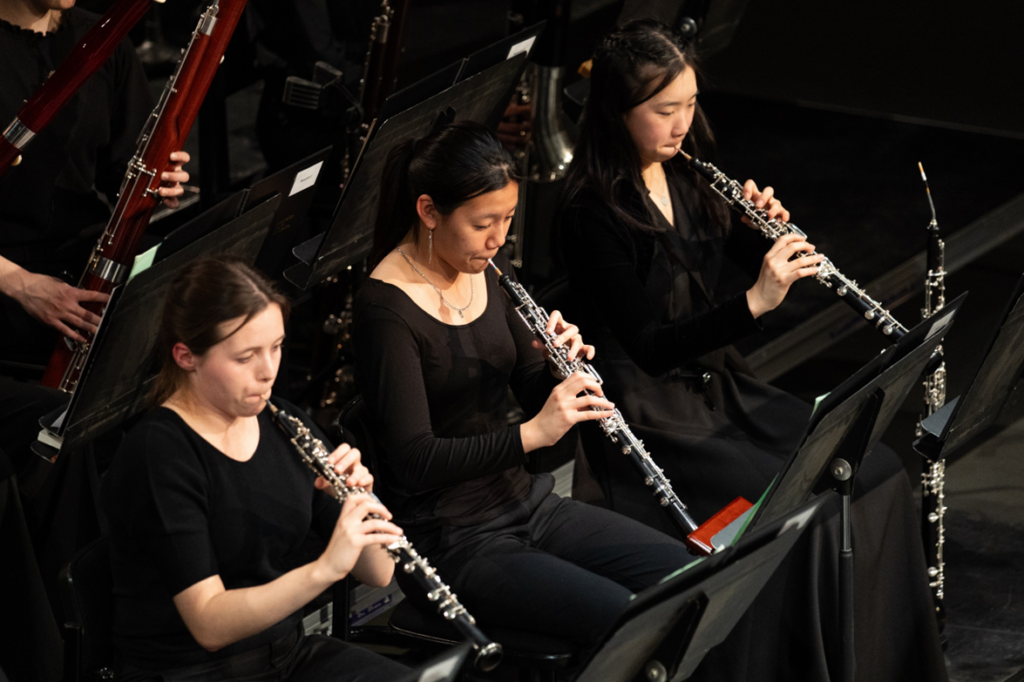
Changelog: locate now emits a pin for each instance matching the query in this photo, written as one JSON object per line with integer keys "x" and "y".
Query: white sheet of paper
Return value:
{"x": 305, "y": 179}
{"x": 522, "y": 47}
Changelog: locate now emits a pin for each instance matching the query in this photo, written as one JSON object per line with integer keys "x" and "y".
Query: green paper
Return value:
{"x": 143, "y": 261}
{"x": 673, "y": 574}
{"x": 817, "y": 401}
{"x": 753, "y": 510}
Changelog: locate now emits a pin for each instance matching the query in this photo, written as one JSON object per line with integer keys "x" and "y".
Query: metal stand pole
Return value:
{"x": 842, "y": 471}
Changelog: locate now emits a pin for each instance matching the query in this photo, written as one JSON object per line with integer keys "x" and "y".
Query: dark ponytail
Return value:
{"x": 633, "y": 64}
{"x": 452, "y": 164}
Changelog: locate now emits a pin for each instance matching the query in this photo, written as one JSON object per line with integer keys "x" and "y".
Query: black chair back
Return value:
{"x": 86, "y": 589}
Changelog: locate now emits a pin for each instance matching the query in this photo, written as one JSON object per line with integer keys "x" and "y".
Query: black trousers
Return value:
{"x": 566, "y": 569}
{"x": 292, "y": 658}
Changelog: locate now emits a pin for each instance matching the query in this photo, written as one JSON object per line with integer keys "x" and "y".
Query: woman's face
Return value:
{"x": 234, "y": 375}
{"x": 659, "y": 125}
{"x": 474, "y": 231}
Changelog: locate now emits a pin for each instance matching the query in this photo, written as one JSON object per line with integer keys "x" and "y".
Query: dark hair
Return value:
{"x": 452, "y": 164}
{"x": 204, "y": 294}
{"x": 633, "y": 64}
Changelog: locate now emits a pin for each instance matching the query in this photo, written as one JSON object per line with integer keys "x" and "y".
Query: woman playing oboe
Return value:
{"x": 206, "y": 498}
{"x": 643, "y": 239}
{"x": 438, "y": 345}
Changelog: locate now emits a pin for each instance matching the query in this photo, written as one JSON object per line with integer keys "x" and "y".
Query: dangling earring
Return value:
{"x": 430, "y": 247}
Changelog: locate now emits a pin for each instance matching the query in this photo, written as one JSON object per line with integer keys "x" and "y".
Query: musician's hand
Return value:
{"x": 565, "y": 332}
{"x": 347, "y": 461}
{"x": 514, "y": 128}
{"x": 764, "y": 199}
{"x": 53, "y": 302}
{"x": 170, "y": 180}
{"x": 778, "y": 273}
{"x": 565, "y": 407}
{"x": 353, "y": 532}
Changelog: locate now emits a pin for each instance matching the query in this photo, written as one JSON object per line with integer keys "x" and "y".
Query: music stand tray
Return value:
{"x": 665, "y": 631}
{"x": 118, "y": 368}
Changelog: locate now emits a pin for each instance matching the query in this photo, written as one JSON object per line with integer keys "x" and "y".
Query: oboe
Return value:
{"x": 828, "y": 274}
{"x": 933, "y": 476}
{"x": 615, "y": 427}
{"x": 315, "y": 455}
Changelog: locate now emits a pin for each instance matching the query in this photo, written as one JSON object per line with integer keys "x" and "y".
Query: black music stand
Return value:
{"x": 843, "y": 429}
{"x": 492, "y": 55}
{"x": 297, "y": 186}
{"x": 666, "y": 631}
{"x": 118, "y": 369}
{"x": 893, "y": 374}
{"x": 421, "y": 90}
{"x": 350, "y": 237}
{"x": 965, "y": 417}
{"x": 218, "y": 215}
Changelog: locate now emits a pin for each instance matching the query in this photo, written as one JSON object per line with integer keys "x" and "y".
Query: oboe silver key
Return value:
{"x": 615, "y": 427}
{"x": 315, "y": 455}
{"x": 773, "y": 229}
{"x": 933, "y": 475}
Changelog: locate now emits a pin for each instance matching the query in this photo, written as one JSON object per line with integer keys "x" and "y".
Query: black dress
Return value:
{"x": 663, "y": 349}
{"x": 450, "y": 468}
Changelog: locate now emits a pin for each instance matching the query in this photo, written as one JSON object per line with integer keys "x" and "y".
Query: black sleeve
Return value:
{"x": 169, "y": 516}
{"x": 391, "y": 380}
{"x": 531, "y": 380}
{"x": 132, "y": 105}
{"x": 601, "y": 260}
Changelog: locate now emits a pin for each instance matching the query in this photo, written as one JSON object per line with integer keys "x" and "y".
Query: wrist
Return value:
{"x": 755, "y": 304}
{"x": 12, "y": 279}
{"x": 322, "y": 574}
{"x": 529, "y": 434}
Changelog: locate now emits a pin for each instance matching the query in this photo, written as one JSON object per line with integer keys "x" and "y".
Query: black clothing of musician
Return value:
{"x": 450, "y": 468}
{"x": 181, "y": 511}
{"x": 50, "y": 215}
{"x": 52, "y": 206}
{"x": 718, "y": 432}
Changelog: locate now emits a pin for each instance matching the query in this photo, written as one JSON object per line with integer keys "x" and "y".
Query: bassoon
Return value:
{"x": 85, "y": 58}
{"x": 139, "y": 196}
{"x": 380, "y": 71}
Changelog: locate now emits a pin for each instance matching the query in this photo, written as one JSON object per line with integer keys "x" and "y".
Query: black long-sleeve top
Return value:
{"x": 629, "y": 302}
{"x": 436, "y": 396}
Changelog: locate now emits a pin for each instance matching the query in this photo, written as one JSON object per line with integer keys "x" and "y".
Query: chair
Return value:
{"x": 538, "y": 657}
{"x": 86, "y": 585}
